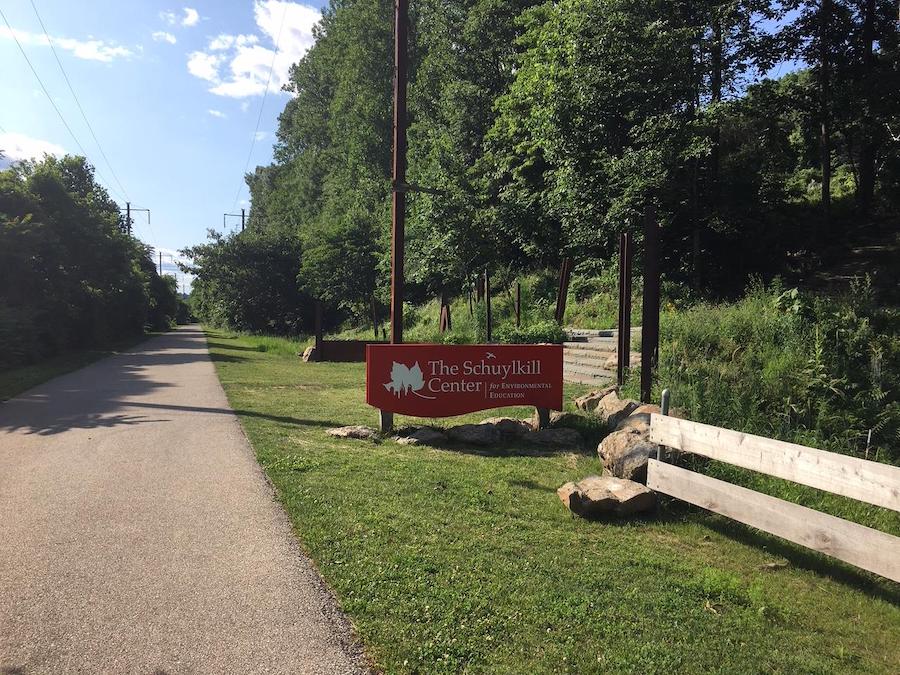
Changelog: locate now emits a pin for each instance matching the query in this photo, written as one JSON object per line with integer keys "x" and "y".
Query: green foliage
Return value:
{"x": 69, "y": 277}
{"x": 542, "y": 130}
{"x": 542, "y": 331}
{"x": 814, "y": 371}
{"x": 248, "y": 282}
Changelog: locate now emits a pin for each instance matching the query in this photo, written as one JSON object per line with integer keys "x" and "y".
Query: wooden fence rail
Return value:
{"x": 859, "y": 479}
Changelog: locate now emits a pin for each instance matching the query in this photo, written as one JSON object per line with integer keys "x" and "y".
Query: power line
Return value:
{"x": 46, "y": 93}
{"x": 261, "y": 106}
{"x": 77, "y": 102}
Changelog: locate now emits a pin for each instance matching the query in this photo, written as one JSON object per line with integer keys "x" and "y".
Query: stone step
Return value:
{"x": 587, "y": 379}
{"x": 590, "y": 346}
{"x": 593, "y": 380}
{"x": 589, "y": 371}
{"x": 596, "y": 361}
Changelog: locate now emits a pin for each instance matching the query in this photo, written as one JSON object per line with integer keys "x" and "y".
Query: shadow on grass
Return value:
{"x": 297, "y": 421}
{"x": 530, "y": 485}
{"x": 215, "y": 344}
{"x": 808, "y": 560}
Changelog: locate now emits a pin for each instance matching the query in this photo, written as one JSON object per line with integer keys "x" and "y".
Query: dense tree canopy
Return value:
{"x": 70, "y": 276}
{"x": 544, "y": 128}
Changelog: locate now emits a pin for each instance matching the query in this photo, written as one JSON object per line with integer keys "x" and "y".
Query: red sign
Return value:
{"x": 445, "y": 380}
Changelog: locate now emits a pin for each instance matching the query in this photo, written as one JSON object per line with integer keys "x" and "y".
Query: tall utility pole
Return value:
{"x": 128, "y": 211}
{"x": 160, "y": 263}
{"x": 242, "y": 214}
{"x": 398, "y": 201}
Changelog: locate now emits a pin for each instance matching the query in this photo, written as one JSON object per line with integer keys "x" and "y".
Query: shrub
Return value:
{"x": 542, "y": 331}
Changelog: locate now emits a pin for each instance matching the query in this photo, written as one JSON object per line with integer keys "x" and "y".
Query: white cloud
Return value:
{"x": 217, "y": 113}
{"x": 248, "y": 62}
{"x": 16, "y": 147}
{"x": 163, "y": 36}
{"x": 91, "y": 49}
{"x": 205, "y": 66}
{"x": 169, "y": 17}
{"x": 259, "y": 135}
{"x": 191, "y": 17}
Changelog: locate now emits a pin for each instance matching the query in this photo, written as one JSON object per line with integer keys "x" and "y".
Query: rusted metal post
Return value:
{"x": 624, "y": 324}
{"x": 444, "y": 320}
{"x": 650, "y": 317}
{"x": 398, "y": 202}
{"x": 626, "y": 344}
{"x": 562, "y": 292}
{"x": 487, "y": 305}
{"x": 318, "y": 329}
{"x": 518, "y": 304}
{"x": 374, "y": 316}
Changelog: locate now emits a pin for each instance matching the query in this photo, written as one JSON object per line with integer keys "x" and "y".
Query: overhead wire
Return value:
{"x": 261, "y": 106}
{"x": 78, "y": 102}
{"x": 50, "y": 98}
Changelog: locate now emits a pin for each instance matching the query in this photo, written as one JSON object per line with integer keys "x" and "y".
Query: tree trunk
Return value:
{"x": 866, "y": 185}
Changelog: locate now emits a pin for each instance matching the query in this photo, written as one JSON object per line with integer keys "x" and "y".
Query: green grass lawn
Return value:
{"x": 451, "y": 560}
{"x": 14, "y": 381}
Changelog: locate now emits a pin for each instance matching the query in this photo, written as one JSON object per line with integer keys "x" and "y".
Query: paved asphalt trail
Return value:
{"x": 139, "y": 535}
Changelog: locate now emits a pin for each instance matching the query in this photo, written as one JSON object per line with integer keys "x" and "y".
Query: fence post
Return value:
{"x": 518, "y": 304}
{"x": 650, "y": 320}
{"x": 624, "y": 324}
{"x": 562, "y": 293}
{"x": 319, "y": 328}
{"x": 487, "y": 304}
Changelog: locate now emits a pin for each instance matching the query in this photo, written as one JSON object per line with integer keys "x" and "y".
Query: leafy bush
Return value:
{"x": 816, "y": 371}
{"x": 542, "y": 331}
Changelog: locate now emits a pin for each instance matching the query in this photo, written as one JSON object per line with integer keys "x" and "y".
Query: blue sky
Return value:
{"x": 172, "y": 92}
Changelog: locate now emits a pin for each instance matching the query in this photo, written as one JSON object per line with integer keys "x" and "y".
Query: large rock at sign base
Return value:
{"x": 509, "y": 427}
{"x": 423, "y": 436}
{"x": 557, "y": 419}
{"x": 590, "y": 400}
{"x": 625, "y": 452}
{"x": 356, "y": 431}
{"x": 599, "y": 495}
{"x": 639, "y": 417}
{"x": 310, "y": 354}
{"x": 561, "y": 437}
{"x": 475, "y": 434}
{"x": 612, "y": 410}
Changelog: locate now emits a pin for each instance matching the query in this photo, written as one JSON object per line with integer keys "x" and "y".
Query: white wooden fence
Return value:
{"x": 860, "y": 479}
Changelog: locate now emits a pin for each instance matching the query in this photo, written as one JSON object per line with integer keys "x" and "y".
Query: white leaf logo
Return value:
{"x": 406, "y": 380}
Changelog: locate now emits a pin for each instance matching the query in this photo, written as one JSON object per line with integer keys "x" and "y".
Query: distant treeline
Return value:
{"x": 545, "y": 128}
{"x": 70, "y": 277}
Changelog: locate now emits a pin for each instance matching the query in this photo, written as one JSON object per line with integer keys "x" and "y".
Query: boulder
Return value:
{"x": 510, "y": 428}
{"x": 355, "y": 431}
{"x": 475, "y": 434}
{"x": 590, "y": 401}
{"x": 561, "y": 437}
{"x": 310, "y": 354}
{"x": 612, "y": 410}
{"x": 557, "y": 419}
{"x": 624, "y": 453}
{"x": 422, "y": 436}
{"x": 639, "y": 417}
{"x": 600, "y": 495}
